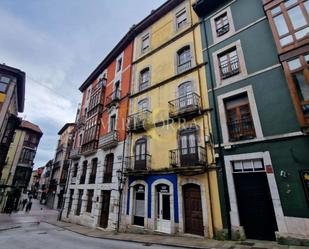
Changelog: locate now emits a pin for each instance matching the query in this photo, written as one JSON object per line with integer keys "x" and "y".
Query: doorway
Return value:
{"x": 139, "y": 205}
{"x": 106, "y": 195}
{"x": 163, "y": 208}
{"x": 193, "y": 212}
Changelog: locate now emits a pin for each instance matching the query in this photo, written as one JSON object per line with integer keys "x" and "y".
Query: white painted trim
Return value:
{"x": 181, "y": 204}
{"x": 250, "y": 76}
{"x": 154, "y": 203}
{"x": 234, "y": 213}
{"x": 131, "y": 189}
{"x": 253, "y": 107}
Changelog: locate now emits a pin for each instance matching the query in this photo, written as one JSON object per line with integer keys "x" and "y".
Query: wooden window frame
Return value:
{"x": 220, "y": 18}
{"x": 144, "y": 38}
{"x": 303, "y": 120}
{"x": 284, "y": 11}
{"x": 229, "y": 64}
{"x": 141, "y": 84}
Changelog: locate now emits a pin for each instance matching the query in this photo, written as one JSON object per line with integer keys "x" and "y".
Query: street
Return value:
{"x": 25, "y": 232}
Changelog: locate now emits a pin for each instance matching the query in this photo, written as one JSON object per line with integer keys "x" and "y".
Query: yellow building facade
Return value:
{"x": 172, "y": 179}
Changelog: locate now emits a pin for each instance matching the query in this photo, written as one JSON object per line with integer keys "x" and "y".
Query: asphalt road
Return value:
{"x": 46, "y": 236}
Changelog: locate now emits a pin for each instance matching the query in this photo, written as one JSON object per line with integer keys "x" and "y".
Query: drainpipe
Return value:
{"x": 204, "y": 127}
{"x": 218, "y": 133}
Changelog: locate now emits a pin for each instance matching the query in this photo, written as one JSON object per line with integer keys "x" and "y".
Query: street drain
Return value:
{"x": 43, "y": 233}
{"x": 246, "y": 243}
{"x": 147, "y": 244}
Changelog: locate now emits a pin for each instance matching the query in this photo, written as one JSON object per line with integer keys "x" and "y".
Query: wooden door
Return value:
{"x": 140, "y": 154}
{"x": 193, "y": 213}
{"x": 106, "y": 195}
{"x": 255, "y": 207}
{"x": 188, "y": 148}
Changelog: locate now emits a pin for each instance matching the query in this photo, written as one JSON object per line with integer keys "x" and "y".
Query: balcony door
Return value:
{"x": 140, "y": 154}
{"x": 188, "y": 147}
{"x": 185, "y": 95}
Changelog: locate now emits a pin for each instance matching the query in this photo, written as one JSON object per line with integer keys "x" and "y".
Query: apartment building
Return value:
{"x": 60, "y": 167}
{"x": 171, "y": 178}
{"x": 93, "y": 196}
{"x": 259, "y": 103}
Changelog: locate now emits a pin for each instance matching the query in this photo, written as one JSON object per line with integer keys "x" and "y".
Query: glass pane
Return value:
{"x": 290, "y": 3}
{"x": 237, "y": 166}
{"x": 294, "y": 64}
{"x": 286, "y": 40}
{"x": 302, "y": 86}
{"x": 143, "y": 151}
{"x": 2, "y": 87}
{"x": 257, "y": 164}
{"x": 4, "y": 79}
{"x": 184, "y": 145}
{"x": 137, "y": 151}
{"x": 247, "y": 165}
{"x": 302, "y": 33}
{"x": 192, "y": 143}
{"x": 166, "y": 207}
{"x": 297, "y": 18}
{"x": 275, "y": 10}
{"x": 281, "y": 25}
{"x": 307, "y": 58}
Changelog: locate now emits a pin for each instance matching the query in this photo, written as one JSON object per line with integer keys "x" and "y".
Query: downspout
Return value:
{"x": 220, "y": 149}
{"x": 204, "y": 127}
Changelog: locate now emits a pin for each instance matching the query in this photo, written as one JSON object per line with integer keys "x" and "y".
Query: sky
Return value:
{"x": 58, "y": 44}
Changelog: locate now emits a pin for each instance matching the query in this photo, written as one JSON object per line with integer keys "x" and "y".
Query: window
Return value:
{"x": 27, "y": 156}
{"x": 112, "y": 124}
{"x": 93, "y": 171}
{"x": 75, "y": 168}
{"x": 119, "y": 64}
{"x": 239, "y": 120}
{"x": 144, "y": 79}
{"x": 143, "y": 105}
{"x": 181, "y": 18}
{"x": 108, "y": 168}
{"x": 291, "y": 19}
{"x": 299, "y": 70}
{"x": 116, "y": 94}
{"x": 89, "y": 201}
{"x": 80, "y": 139}
{"x": 248, "y": 165}
{"x": 79, "y": 202}
{"x": 4, "y": 81}
{"x": 83, "y": 175}
{"x": 145, "y": 43}
{"x": 222, "y": 24}
{"x": 140, "y": 154}
{"x": 183, "y": 59}
{"x": 229, "y": 63}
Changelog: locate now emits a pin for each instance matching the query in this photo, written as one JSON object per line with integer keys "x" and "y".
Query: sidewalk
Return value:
{"x": 175, "y": 241}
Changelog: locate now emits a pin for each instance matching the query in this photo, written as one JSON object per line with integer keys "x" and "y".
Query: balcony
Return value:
{"x": 113, "y": 98}
{"x": 241, "y": 129}
{"x": 108, "y": 141}
{"x": 184, "y": 67}
{"x": 230, "y": 68}
{"x": 140, "y": 121}
{"x": 89, "y": 147}
{"x": 75, "y": 154}
{"x": 185, "y": 107}
{"x": 188, "y": 157}
{"x": 139, "y": 162}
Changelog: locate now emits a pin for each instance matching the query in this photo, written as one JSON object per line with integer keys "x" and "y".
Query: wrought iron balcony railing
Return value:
{"x": 230, "y": 68}
{"x": 139, "y": 121}
{"x": 74, "y": 153}
{"x": 139, "y": 162}
{"x": 112, "y": 98}
{"x": 109, "y": 140}
{"x": 188, "y": 105}
{"x": 188, "y": 157}
{"x": 184, "y": 66}
{"x": 223, "y": 30}
{"x": 241, "y": 129}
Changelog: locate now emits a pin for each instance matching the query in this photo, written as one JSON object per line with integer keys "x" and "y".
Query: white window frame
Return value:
{"x": 231, "y": 31}
{"x": 145, "y": 37}
{"x": 254, "y": 114}
{"x": 182, "y": 11}
{"x": 242, "y": 65}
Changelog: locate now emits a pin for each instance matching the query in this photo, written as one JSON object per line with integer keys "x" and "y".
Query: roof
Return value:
{"x": 21, "y": 78}
{"x": 65, "y": 127}
{"x": 30, "y": 126}
{"x": 129, "y": 37}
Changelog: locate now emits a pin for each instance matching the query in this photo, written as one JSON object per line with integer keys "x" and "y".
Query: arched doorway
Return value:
{"x": 193, "y": 212}
{"x": 163, "y": 208}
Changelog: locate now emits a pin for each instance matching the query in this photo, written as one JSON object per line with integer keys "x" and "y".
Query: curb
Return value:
{"x": 128, "y": 240}
{"x": 9, "y": 228}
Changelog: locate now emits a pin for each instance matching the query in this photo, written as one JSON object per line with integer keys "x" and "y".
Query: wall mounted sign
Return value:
{"x": 304, "y": 174}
